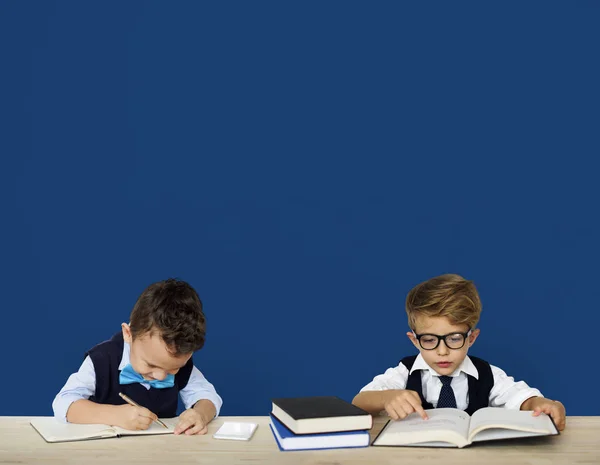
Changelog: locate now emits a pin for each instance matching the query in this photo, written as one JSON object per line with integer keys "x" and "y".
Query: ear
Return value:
{"x": 126, "y": 333}
{"x": 413, "y": 339}
{"x": 473, "y": 336}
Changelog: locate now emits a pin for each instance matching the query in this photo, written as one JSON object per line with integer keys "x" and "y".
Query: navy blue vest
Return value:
{"x": 106, "y": 357}
{"x": 479, "y": 389}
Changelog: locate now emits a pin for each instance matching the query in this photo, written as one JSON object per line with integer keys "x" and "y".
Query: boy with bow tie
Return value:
{"x": 442, "y": 313}
{"x": 150, "y": 361}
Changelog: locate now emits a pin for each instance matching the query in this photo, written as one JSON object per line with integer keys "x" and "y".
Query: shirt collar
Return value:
{"x": 466, "y": 366}
{"x": 125, "y": 357}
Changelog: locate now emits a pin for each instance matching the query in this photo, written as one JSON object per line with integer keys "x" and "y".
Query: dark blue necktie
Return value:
{"x": 447, "y": 399}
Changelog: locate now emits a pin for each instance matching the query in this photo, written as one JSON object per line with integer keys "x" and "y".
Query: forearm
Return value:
{"x": 206, "y": 409}
{"x": 372, "y": 401}
{"x": 86, "y": 411}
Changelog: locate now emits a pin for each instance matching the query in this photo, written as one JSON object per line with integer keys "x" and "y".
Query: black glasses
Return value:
{"x": 452, "y": 340}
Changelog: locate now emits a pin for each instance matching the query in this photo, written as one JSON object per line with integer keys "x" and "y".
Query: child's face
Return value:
{"x": 442, "y": 359}
{"x": 150, "y": 357}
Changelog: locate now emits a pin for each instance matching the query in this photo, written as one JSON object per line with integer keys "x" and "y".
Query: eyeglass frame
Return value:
{"x": 440, "y": 338}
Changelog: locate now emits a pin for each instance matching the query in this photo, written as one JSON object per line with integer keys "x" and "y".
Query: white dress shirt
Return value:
{"x": 506, "y": 392}
{"x": 82, "y": 385}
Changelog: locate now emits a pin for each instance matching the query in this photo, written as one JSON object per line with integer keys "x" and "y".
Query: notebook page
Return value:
{"x": 53, "y": 430}
{"x": 154, "y": 428}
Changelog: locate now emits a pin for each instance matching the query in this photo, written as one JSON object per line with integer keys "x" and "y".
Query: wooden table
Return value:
{"x": 21, "y": 444}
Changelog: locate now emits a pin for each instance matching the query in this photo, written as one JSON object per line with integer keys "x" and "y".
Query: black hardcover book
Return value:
{"x": 320, "y": 414}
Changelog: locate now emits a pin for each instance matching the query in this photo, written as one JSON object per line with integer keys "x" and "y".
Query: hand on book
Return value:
{"x": 134, "y": 418}
{"x": 553, "y": 408}
{"x": 400, "y": 403}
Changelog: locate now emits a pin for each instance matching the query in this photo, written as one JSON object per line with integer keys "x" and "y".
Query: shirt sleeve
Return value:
{"x": 199, "y": 388}
{"x": 509, "y": 393}
{"x": 393, "y": 378}
{"x": 80, "y": 385}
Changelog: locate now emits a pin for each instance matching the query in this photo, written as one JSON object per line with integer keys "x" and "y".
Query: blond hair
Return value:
{"x": 448, "y": 295}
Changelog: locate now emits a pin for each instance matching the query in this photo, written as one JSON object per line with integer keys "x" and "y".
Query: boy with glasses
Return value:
{"x": 442, "y": 313}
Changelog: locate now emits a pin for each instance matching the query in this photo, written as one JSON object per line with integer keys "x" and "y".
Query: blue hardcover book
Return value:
{"x": 286, "y": 440}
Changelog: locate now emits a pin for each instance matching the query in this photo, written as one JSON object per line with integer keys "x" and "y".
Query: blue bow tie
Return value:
{"x": 129, "y": 376}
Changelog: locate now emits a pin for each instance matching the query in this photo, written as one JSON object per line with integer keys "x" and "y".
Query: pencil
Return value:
{"x": 135, "y": 404}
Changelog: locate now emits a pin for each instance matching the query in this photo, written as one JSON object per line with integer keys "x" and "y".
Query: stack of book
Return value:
{"x": 324, "y": 422}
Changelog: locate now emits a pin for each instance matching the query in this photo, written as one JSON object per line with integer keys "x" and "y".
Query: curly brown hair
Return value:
{"x": 448, "y": 295}
{"x": 173, "y": 309}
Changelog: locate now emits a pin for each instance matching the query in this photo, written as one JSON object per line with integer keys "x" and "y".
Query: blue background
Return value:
{"x": 302, "y": 165}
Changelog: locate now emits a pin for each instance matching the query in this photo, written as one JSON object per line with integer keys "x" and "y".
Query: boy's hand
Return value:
{"x": 400, "y": 403}
{"x": 191, "y": 422}
{"x": 553, "y": 408}
{"x": 134, "y": 418}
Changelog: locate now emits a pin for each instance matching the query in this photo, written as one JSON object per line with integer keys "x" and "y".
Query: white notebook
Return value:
{"x": 53, "y": 430}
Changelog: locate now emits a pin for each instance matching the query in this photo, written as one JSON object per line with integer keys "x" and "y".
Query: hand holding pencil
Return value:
{"x": 142, "y": 417}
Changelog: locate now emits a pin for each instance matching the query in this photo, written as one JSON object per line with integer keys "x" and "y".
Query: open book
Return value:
{"x": 449, "y": 427}
{"x": 53, "y": 430}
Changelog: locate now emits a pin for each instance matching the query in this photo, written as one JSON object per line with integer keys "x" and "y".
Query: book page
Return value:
{"x": 508, "y": 423}
{"x": 443, "y": 425}
{"x": 154, "y": 428}
{"x": 53, "y": 430}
